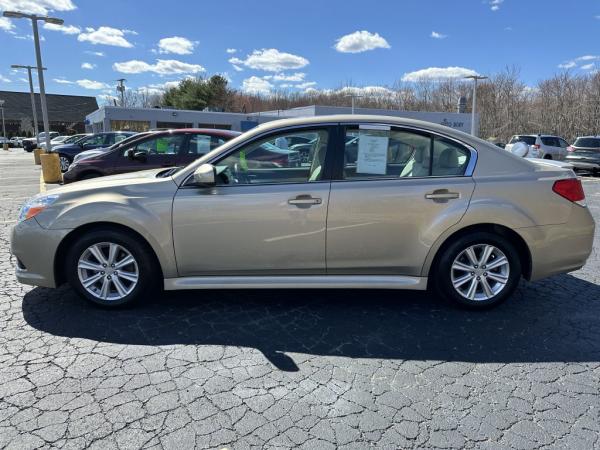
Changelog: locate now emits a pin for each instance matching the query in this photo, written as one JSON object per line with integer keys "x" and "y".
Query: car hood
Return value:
{"x": 112, "y": 182}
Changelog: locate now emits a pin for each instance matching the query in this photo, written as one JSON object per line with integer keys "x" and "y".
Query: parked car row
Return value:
{"x": 582, "y": 155}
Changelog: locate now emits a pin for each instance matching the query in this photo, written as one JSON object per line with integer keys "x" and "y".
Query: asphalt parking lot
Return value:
{"x": 311, "y": 369}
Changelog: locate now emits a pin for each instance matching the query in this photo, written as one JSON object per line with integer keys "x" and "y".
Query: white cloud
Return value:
{"x": 436, "y": 35}
{"x": 360, "y": 41}
{"x": 256, "y": 85}
{"x": 6, "y": 24}
{"x": 105, "y": 36}
{"x": 270, "y": 60}
{"x": 62, "y": 81}
{"x": 367, "y": 91}
{"x": 89, "y": 84}
{"x": 87, "y": 65}
{"x": 298, "y": 76}
{"x": 305, "y": 85}
{"x": 161, "y": 67}
{"x": 567, "y": 65}
{"x": 588, "y": 66}
{"x": 176, "y": 44}
{"x": 3, "y": 79}
{"x": 40, "y": 7}
{"x": 66, "y": 29}
{"x": 94, "y": 53}
{"x": 495, "y": 4}
{"x": 587, "y": 58}
{"x": 231, "y": 51}
{"x": 438, "y": 73}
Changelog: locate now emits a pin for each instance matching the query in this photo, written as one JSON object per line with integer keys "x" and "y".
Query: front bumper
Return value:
{"x": 35, "y": 248}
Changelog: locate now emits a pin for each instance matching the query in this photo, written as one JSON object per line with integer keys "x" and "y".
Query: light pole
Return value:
{"x": 475, "y": 78}
{"x": 353, "y": 96}
{"x": 38, "y": 55}
{"x": 3, "y": 127}
{"x": 32, "y": 93}
{"x": 121, "y": 89}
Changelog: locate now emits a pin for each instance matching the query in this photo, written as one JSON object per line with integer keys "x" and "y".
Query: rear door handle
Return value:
{"x": 304, "y": 201}
{"x": 442, "y": 195}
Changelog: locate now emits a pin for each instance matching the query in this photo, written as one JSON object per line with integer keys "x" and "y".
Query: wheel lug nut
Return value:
{"x": 483, "y": 267}
{"x": 472, "y": 273}
{"x": 478, "y": 278}
{"x": 101, "y": 273}
{"x": 112, "y": 265}
{"x": 103, "y": 265}
{"x": 475, "y": 266}
{"x": 485, "y": 274}
{"x": 108, "y": 277}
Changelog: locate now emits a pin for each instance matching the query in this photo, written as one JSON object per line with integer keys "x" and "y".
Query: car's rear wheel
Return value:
{"x": 110, "y": 268}
{"x": 65, "y": 162}
{"x": 478, "y": 270}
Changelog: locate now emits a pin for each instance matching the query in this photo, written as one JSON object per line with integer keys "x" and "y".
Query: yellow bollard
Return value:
{"x": 36, "y": 155}
{"x": 5, "y": 147}
{"x": 51, "y": 168}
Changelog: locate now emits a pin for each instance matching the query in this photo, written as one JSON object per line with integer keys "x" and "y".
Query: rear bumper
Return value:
{"x": 35, "y": 248}
{"x": 560, "y": 248}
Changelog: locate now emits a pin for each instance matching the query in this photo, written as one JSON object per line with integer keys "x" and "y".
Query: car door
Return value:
{"x": 156, "y": 151}
{"x": 394, "y": 192}
{"x": 264, "y": 217}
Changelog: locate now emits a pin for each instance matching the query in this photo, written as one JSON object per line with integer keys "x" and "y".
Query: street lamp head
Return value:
{"x": 53, "y": 20}
{"x": 14, "y": 14}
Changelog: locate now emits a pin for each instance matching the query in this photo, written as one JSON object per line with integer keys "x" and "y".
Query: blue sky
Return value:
{"x": 270, "y": 44}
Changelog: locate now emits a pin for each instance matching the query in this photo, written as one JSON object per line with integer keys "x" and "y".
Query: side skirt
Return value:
{"x": 298, "y": 282}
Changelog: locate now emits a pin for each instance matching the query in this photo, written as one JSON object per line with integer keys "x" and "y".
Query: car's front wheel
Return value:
{"x": 110, "y": 268}
{"x": 65, "y": 163}
{"x": 478, "y": 270}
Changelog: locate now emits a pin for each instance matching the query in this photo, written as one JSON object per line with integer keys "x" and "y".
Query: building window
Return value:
{"x": 173, "y": 125}
{"x": 215, "y": 125}
{"x": 129, "y": 125}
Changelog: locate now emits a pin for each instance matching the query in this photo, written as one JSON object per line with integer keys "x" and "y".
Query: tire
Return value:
{"x": 547, "y": 156}
{"x": 65, "y": 163}
{"x": 449, "y": 271}
{"x": 81, "y": 254}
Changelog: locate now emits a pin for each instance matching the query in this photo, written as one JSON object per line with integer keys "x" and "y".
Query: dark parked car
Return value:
{"x": 68, "y": 151}
{"x": 30, "y": 144}
{"x": 151, "y": 150}
{"x": 584, "y": 154}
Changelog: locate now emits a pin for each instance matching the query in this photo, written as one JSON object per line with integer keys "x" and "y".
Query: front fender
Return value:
{"x": 146, "y": 209}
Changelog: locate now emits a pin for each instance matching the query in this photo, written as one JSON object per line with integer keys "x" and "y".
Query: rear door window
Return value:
{"x": 587, "y": 142}
{"x": 529, "y": 140}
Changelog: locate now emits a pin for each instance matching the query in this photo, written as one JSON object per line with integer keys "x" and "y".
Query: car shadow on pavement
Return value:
{"x": 557, "y": 319}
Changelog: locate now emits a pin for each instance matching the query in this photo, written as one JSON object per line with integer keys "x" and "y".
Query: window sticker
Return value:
{"x": 373, "y": 141}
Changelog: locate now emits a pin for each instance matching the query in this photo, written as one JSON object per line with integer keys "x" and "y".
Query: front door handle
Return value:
{"x": 442, "y": 195}
{"x": 304, "y": 201}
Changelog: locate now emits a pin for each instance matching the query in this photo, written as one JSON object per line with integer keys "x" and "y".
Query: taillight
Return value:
{"x": 571, "y": 189}
{"x": 536, "y": 146}
{"x": 570, "y": 148}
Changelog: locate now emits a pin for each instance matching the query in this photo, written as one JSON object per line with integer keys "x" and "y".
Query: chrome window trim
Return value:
{"x": 468, "y": 171}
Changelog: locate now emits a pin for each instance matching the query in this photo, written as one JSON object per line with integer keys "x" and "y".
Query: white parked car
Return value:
{"x": 543, "y": 146}
{"x": 58, "y": 140}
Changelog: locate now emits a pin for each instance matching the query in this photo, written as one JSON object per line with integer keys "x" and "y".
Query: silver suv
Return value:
{"x": 543, "y": 146}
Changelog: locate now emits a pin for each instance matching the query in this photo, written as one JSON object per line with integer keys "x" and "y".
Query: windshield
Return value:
{"x": 73, "y": 139}
{"x": 587, "y": 142}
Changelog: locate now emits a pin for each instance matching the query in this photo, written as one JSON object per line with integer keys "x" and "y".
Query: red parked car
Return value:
{"x": 151, "y": 150}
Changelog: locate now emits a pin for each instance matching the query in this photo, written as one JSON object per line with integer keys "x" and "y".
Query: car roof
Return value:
{"x": 212, "y": 131}
{"x": 588, "y": 137}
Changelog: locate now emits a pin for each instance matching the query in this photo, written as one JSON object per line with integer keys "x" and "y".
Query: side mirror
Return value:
{"x": 140, "y": 156}
{"x": 205, "y": 175}
{"x": 130, "y": 154}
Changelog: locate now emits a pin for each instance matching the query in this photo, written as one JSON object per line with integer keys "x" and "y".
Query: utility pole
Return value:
{"x": 121, "y": 89}
{"x": 353, "y": 96}
{"x": 38, "y": 56}
{"x": 475, "y": 78}
{"x": 32, "y": 93}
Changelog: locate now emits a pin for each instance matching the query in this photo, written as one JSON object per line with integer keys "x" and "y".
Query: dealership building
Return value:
{"x": 65, "y": 112}
{"x": 114, "y": 118}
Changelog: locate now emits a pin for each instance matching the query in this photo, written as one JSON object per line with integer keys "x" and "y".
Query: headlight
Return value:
{"x": 36, "y": 205}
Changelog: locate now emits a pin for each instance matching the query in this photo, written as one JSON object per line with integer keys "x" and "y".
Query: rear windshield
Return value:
{"x": 529, "y": 140}
{"x": 587, "y": 142}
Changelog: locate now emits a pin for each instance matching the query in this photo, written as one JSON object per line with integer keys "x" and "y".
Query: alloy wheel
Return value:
{"x": 64, "y": 163}
{"x": 108, "y": 271}
{"x": 480, "y": 272}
